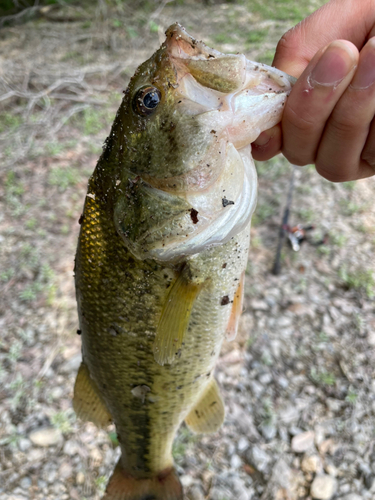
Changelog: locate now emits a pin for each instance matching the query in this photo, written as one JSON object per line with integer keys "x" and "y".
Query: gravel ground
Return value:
{"x": 298, "y": 381}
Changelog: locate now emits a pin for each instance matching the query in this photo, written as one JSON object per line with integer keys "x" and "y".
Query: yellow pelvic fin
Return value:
{"x": 236, "y": 310}
{"x": 208, "y": 415}
{"x": 174, "y": 320}
{"x": 87, "y": 401}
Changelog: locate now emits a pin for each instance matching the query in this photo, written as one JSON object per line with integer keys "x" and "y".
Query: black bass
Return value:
{"x": 162, "y": 251}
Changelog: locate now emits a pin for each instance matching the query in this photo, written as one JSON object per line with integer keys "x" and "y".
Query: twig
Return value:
{"x": 277, "y": 264}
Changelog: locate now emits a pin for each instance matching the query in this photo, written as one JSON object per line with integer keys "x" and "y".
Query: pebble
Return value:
{"x": 25, "y": 483}
{"x": 310, "y": 463}
{"x": 47, "y": 436}
{"x": 235, "y": 462}
{"x": 259, "y": 459}
{"x": 24, "y": 444}
{"x": 323, "y": 487}
{"x": 71, "y": 448}
{"x": 351, "y": 496}
{"x": 242, "y": 444}
{"x": 186, "y": 480}
{"x": 268, "y": 431}
{"x": 195, "y": 493}
{"x": 80, "y": 478}
{"x": 303, "y": 441}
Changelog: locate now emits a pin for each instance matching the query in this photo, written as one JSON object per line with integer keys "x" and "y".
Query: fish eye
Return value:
{"x": 146, "y": 100}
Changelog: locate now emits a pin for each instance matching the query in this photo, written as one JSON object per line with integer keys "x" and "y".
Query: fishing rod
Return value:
{"x": 284, "y": 224}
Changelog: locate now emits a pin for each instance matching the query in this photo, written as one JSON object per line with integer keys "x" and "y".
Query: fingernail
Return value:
{"x": 263, "y": 139}
{"x": 365, "y": 74}
{"x": 333, "y": 66}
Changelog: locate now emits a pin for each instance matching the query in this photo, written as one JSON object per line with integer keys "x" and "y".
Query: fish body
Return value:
{"x": 162, "y": 251}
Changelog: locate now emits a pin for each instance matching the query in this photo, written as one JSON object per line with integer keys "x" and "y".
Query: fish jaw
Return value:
{"x": 212, "y": 107}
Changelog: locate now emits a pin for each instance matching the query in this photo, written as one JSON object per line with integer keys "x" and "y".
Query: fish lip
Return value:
{"x": 181, "y": 44}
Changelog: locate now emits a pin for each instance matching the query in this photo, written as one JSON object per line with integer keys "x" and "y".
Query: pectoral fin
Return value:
{"x": 208, "y": 415}
{"x": 174, "y": 320}
{"x": 236, "y": 310}
{"x": 87, "y": 401}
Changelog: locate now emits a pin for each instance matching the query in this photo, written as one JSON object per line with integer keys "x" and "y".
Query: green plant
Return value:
{"x": 358, "y": 279}
{"x": 62, "y": 177}
{"x": 322, "y": 377}
{"x": 63, "y": 420}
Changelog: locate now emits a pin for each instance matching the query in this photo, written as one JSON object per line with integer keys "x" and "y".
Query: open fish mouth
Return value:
{"x": 232, "y": 100}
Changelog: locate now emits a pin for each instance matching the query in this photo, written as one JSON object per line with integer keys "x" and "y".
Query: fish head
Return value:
{"x": 183, "y": 135}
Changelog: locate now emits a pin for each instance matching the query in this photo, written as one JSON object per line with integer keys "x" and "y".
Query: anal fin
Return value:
{"x": 236, "y": 310}
{"x": 208, "y": 415}
{"x": 87, "y": 401}
{"x": 174, "y": 319}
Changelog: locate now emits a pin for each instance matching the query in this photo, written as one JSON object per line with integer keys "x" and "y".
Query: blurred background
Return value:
{"x": 298, "y": 381}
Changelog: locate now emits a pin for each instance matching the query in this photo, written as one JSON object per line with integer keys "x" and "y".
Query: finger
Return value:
{"x": 313, "y": 98}
{"x": 339, "y": 19}
{"x": 339, "y": 154}
{"x": 268, "y": 144}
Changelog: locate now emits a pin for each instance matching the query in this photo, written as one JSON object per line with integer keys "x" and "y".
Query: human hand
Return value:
{"x": 329, "y": 116}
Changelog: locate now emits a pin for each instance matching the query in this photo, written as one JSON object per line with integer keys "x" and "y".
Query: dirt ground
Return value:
{"x": 298, "y": 381}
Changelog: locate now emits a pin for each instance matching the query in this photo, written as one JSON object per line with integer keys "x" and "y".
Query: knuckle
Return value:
{"x": 331, "y": 172}
{"x": 342, "y": 126}
{"x": 303, "y": 122}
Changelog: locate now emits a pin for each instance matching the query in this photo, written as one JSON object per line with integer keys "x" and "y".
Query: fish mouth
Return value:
{"x": 233, "y": 100}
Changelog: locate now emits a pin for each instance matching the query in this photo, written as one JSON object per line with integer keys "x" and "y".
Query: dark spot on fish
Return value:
{"x": 104, "y": 386}
{"x": 224, "y": 300}
{"x": 213, "y": 403}
{"x": 149, "y": 497}
{"x": 79, "y": 332}
{"x": 81, "y": 219}
{"x": 179, "y": 387}
{"x": 226, "y": 202}
{"x": 210, "y": 56}
{"x": 208, "y": 374}
{"x": 224, "y": 265}
{"x": 197, "y": 414}
{"x": 213, "y": 131}
{"x": 193, "y": 215}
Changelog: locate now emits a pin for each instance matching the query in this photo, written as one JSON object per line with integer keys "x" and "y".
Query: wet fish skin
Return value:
{"x": 162, "y": 245}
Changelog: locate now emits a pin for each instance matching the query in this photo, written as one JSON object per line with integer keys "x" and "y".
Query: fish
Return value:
{"x": 162, "y": 252}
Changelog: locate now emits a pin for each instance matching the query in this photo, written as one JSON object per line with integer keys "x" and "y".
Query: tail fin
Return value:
{"x": 165, "y": 486}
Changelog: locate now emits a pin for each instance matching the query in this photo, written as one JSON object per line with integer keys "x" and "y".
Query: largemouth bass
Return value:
{"x": 162, "y": 251}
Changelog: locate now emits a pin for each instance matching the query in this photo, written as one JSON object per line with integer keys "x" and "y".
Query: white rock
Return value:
{"x": 351, "y": 496}
{"x": 47, "y": 436}
{"x": 303, "y": 441}
{"x": 323, "y": 487}
{"x": 243, "y": 444}
{"x": 24, "y": 444}
{"x": 235, "y": 462}
{"x": 310, "y": 463}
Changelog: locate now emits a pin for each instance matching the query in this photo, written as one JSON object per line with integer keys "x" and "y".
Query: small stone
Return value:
{"x": 323, "y": 487}
{"x": 57, "y": 392}
{"x": 235, "y": 462}
{"x": 259, "y": 459}
{"x": 25, "y": 483}
{"x": 80, "y": 478}
{"x": 186, "y": 480}
{"x": 24, "y": 444}
{"x": 196, "y": 493}
{"x": 259, "y": 305}
{"x": 65, "y": 470}
{"x": 268, "y": 431}
{"x": 47, "y": 436}
{"x": 310, "y": 463}
{"x": 351, "y": 496}
{"x": 72, "y": 364}
{"x": 71, "y": 448}
{"x": 303, "y": 441}
{"x": 243, "y": 444}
